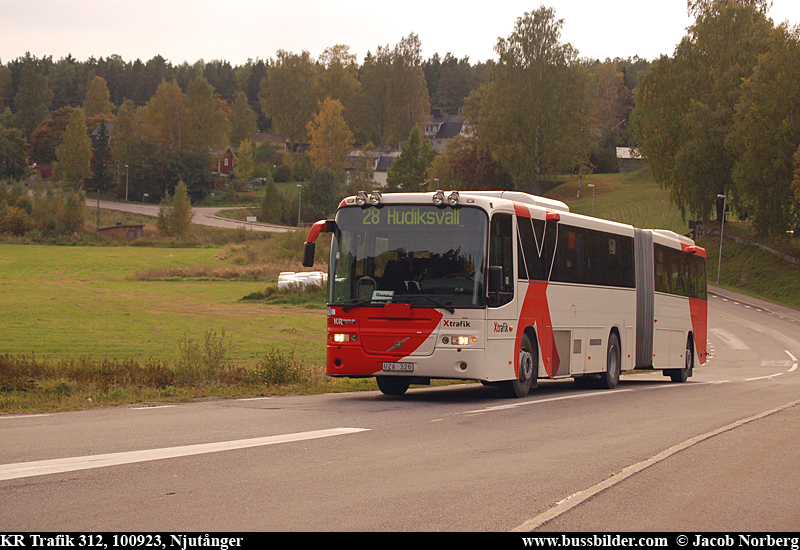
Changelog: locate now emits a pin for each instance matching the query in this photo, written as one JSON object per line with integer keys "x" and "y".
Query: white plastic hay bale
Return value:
{"x": 285, "y": 279}
{"x": 301, "y": 279}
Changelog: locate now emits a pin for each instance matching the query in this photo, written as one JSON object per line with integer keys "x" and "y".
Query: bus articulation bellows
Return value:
{"x": 505, "y": 288}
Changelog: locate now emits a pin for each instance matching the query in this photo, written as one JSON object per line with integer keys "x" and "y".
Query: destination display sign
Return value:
{"x": 411, "y": 215}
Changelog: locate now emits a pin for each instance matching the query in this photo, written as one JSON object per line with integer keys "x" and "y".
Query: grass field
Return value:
{"x": 67, "y": 301}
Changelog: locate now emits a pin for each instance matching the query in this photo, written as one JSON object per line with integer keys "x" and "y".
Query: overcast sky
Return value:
{"x": 236, "y": 30}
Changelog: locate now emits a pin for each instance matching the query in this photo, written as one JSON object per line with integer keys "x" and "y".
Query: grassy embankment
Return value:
{"x": 636, "y": 199}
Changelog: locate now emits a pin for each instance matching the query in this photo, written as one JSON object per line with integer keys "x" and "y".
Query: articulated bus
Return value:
{"x": 505, "y": 288}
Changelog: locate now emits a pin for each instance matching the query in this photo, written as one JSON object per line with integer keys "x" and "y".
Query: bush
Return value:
{"x": 15, "y": 221}
{"x": 276, "y": 368}
{"x": 203, "y": 363}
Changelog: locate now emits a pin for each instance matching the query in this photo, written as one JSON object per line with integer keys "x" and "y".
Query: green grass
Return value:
{"x": 752, "y": 271}
{"x": 70, "y": 301}
{"x": 632, "y": 198}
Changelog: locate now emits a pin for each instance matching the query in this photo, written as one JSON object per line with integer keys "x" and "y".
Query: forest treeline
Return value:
{"x": 716, "y": 118}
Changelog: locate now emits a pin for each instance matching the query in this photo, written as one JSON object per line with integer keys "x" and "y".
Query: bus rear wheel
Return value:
{"x": 528, "y": 372}
{"x": 682, "y": 375}
{"x": 392, "y": 385}
{"x": 610, "y": 378}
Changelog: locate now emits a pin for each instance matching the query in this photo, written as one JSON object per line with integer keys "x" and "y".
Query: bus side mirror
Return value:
{"x": 322, "y": 226}
{"x": 308, "y": 254}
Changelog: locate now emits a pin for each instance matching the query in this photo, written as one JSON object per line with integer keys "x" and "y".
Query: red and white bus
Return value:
{"x": 505, "y": 288}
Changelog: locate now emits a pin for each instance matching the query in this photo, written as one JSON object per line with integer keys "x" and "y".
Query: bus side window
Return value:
{"x": 501, "y": 253}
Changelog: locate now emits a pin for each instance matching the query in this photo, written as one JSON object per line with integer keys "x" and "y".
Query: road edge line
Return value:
{"x": 575, "y": 499}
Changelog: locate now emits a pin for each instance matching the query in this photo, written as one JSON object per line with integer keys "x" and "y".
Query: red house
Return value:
{"x": 226, "y": 162}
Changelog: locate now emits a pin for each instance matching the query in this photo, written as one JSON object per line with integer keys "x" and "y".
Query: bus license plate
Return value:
{"x": 398, "y": 367}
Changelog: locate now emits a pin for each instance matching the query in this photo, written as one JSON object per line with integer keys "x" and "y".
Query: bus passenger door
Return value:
{"x": 501, "y": 323}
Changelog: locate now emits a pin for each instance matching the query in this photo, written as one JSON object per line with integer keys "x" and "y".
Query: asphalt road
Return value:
{"x": 202, "y": 216}
{"x": 718, "y": 453}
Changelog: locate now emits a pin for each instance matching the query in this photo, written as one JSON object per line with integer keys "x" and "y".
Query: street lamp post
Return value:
{"x": 127, "y": 179}
{"x": 721, "y": 233}
{"x": 299, "y": 204}
{"x": 592, "y": 186}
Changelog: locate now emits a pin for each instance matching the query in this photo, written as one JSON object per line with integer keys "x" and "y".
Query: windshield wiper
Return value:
{"x": 361, "y": 302}
{"x": 437, "y": 303}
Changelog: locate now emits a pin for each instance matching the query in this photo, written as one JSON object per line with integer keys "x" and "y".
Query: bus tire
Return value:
{"x": 392, "y": 385}
{"x": 610, "y": 378}
{"x": 528, "y": 372}
{"x": 680, "y": 376}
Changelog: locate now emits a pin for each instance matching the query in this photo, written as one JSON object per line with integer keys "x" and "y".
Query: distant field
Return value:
{"x": 64, "y": 301}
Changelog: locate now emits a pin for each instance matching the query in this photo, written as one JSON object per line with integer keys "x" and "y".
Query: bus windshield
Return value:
{"x": 418, "y": 254}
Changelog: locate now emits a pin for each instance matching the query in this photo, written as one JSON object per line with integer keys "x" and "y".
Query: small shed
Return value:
{"x": 630, "y": 160}
{"x": 127, "y": 232}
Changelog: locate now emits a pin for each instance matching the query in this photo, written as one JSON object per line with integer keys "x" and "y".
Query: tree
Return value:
{"x": 524, "y": 113}
{"x": 408, "y": 93}
{"x": 13, "y": 152}
{"x": 243, "y": 120}
{"x": 322, "y": 194}
{"x": 289, "y": 94}
{"x": 244, "y": 160}
{"x": 686, "y": 104}
{"x": 373, "y": 98}
{"x": 33, "y": 97}
{"x": 75, "y": 153}
{"x": 331, "y": 139}
{"x": 97, "y": 101}
{"x": 338, "y": 79}
{"x": 207, "y": 123}
{"x": 48, "y": 135}
{"x": 767, "y": 136}
{"x": 175, "y": 214}
{"x": 124, "y": 133}
{"x": 101, "y": 178}
{"x": 165, "y": 117}
{"x": 409, "y": 172}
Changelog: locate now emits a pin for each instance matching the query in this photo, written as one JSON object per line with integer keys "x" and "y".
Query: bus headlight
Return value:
{"x": 361, "y": 198}
{"x": 452, "y": 198}
{"x": 375, "y": 198}
{"x": 341, "y": 338}
{"x": 438, "y": 198}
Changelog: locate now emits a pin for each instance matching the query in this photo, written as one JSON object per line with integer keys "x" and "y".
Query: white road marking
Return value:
{"x": 153, "y": 407}
{"x": 71, "y": 464}
{"x": 22, "y": 416}
{"x": 536, "y": 402}
{"x": 578, "y": 498}
{"x": 253, "y": 398}
{"x": 732, "y": 341}
{"x": 794, "y": 365}
{"x": 763, "y": 377}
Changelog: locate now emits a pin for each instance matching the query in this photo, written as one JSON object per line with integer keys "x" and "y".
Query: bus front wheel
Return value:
{"x": 528, "y": 372}
{"x": 392, "y": 385}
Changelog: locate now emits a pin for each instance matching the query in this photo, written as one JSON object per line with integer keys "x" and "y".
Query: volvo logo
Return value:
{"x": 398, "y": 345}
